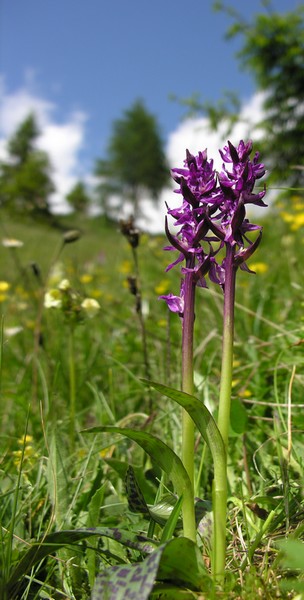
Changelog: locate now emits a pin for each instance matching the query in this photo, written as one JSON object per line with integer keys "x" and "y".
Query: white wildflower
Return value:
{"x": 11, "y": 243}
{"x": 52, "y": 299}
{"x": 90, "y": 306}
{"x": 64, "y": 285}
{"x": 11, "y": 331}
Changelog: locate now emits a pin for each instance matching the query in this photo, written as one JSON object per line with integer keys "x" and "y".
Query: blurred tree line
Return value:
{"x": 272, "y": 51}
{"x": 136, "y": 165}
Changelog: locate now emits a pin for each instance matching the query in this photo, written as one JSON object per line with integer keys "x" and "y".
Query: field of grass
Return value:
{"x": 74, "y": 503}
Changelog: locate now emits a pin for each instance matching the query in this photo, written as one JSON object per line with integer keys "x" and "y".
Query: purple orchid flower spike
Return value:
{"x": 200, "y": 194}
{"x": 237, "y": 181}
{"x": 211, "y": 220}
{"x": 212, "y": 212}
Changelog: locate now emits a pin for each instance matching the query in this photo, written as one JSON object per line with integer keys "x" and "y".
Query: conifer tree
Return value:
{"x": 136, "y": 161}
{"x": 78, "y": 198}
{"x": 25, "y": 177}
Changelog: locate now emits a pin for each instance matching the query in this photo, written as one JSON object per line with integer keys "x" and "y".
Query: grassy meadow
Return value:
{"x": 64, "y": 370}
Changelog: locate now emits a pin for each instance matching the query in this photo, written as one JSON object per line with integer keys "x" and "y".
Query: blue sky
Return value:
{"x": 86, "y": 61}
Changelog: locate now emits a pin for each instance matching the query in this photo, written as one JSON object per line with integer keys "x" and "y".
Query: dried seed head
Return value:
{"x": 130, "y": 231}
{"x": 71, "y": 236}
{"x": 132, "y": 283}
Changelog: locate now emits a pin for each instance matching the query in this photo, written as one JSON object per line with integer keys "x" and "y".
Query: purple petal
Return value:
{"x": 175, "y": 303}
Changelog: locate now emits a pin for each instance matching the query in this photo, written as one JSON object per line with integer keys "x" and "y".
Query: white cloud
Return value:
{"x": 62, "y": 141}
{"x": 195, "y": 134}
{"x": 16, "y": 106}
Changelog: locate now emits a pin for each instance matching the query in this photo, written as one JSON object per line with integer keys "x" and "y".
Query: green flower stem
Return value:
{"x": 187, "y": 386}
{"x": 220, "y": 470}
{"x": 227, "y": 349}
{"x": 219, "y": 503}
{"x": 72, "y": 381}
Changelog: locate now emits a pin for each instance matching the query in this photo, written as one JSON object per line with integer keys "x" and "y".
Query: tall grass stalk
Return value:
{"x": 38, "y": 322}
{"x": 11, "y": 529}
{"x": 72, "y": 386}
{"x": 68, "y": 237}
{"x": 1, "y": 351}
{"x": 141, "y": 319}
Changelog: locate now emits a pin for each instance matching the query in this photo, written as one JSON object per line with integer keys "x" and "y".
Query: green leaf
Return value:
{"x": 201, "y": 417}
{"x": 159, "y": 452}
{"x": 179, "y": 560}
{"x": 162, "y": 510}
{"x": 238, "y": 416}
{"x": 293, "y": 554}
{"x": 132, "y": 581}
{"x": 58, "y": 480}
{"x": 54, "y": 541}
{"x": 121, "y": 467}
{"x": 182, "y": 563}
{"x": 136, "y": 500}
{"x": 171, "y": 524}
{"x": 167, "y": 591}
{"x": 292, "y": 558}
{"x": 165, "y": 512}
{"x": 85, "y": 498}
{"x": 93, "y": 519}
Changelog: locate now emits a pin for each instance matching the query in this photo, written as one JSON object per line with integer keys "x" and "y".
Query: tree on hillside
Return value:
{"x": 136, "y": 160}
{"x": 25, "y": 180}
{"x": 273, "y": 51}
{"x": 78, "y": 198}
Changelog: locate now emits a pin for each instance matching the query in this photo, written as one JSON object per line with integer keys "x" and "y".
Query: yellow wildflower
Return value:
{"x": 125, "y": 267}
{"x": 245, "y": 393}
{"x": 259, "y": 267}
{"x": 162, "y": 287}
{"x": 86, "y": 278}
{"x": 298, "y": 206}
{"x": 26, "y": 450}
{"x": 96, "y": 293}
{"x": 287, "y": 217}
{"x": 107, "y": 452}
{"x": 4, "y": 286}
{"x": 26, "y": 439}
{"x": 297, "y": 222}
